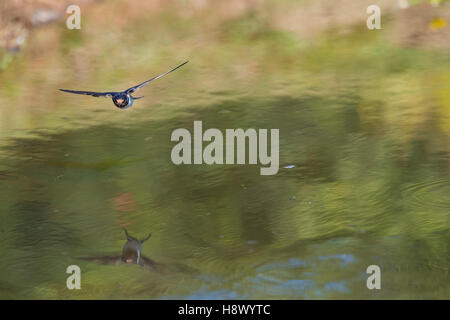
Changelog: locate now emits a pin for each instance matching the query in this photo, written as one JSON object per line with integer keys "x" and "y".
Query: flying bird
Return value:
{"x": 131, "y": 253}
{"x": 123, "y": 100}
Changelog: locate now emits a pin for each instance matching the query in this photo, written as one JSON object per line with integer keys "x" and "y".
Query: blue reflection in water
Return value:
{"x": 337, "y": 286}
{"x": 271, "y": 279}
{"x": 345, "y": 259}
{"x": 298, "y": 286}
{"x": 291, "y": 263}
{"x": 204, "y": 294}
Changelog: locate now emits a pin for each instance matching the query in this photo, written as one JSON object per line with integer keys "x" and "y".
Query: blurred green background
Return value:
{"x": 364, "y": 116}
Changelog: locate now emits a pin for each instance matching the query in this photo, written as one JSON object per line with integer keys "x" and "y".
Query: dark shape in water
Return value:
{"x": 122, "y": 100}
{"x": 131, "y": 253}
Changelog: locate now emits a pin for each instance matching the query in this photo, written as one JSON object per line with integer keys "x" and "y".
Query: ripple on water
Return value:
{"x": 433, "y": 194}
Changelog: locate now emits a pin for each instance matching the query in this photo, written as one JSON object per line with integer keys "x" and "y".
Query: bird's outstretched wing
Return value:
{"x": 133, "y": 89}
{"x": 130, "y": 238}
{"x": 91, "y": 93}
{"x": 147, "y": 262}
{"x": 104, "y": 259}
{"x": 148, "y": 237}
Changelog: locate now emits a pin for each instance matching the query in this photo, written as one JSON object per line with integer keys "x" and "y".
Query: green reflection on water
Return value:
{"x": 309, "y": 232}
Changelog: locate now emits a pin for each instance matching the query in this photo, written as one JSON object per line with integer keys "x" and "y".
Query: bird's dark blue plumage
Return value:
{"x": 122, "y": 100}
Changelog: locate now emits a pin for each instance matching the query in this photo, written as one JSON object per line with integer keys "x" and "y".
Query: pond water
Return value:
{"x": 364, "y": 178}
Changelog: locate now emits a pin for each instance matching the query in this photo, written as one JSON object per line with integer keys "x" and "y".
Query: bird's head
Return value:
{"x": 121, "y": 100}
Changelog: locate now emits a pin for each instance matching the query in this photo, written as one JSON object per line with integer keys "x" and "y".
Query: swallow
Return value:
{"x": 131, "y": 253}
{"x": 123, "y": 100}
